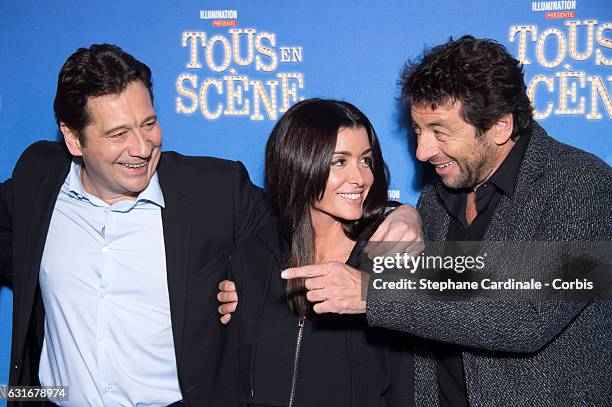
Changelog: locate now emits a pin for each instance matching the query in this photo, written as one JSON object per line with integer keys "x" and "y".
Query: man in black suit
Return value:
{"x": 114, "y": 249}
{"x": 62, "y": 210}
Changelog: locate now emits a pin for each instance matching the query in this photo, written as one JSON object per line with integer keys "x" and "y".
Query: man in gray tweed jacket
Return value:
{"x": 473, "y": 122}
{"x": 500, "y": 177}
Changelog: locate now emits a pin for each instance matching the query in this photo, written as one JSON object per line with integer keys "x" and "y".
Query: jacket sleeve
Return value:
{"x": 251, "y": 205}
{"x": 235, "y": 358}
{"x": 575, "y": 208}
{"x": 6, "y": 233}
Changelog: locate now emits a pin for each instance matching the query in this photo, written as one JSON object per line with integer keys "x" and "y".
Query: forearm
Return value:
{"x": 500, "y": 319}
{"x": 510, "y": 326}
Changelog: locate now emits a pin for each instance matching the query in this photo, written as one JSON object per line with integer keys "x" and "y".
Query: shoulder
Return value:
{"x": 41, "y": 157}
{"x": 580, "y": 164}
{"x": 43, "y": 151}
{"x": 193, "y": 164}
{"x": 267, "y": 239}
{"x": 574, "y": 173}
{"x": 573, "y": 194}
{"x": 203, "y": 178}
{"x": 565, "y": 164}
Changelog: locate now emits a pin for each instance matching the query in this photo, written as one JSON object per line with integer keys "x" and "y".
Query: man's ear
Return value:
{"x": 71, "y": 139}
{"x": 503, "y": 129}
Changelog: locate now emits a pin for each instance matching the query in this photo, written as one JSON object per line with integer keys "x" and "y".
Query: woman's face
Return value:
{"x": 350, "y": 176}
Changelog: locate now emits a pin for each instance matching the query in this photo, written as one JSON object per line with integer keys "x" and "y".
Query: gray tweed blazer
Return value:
{"x": 521, "y": 353}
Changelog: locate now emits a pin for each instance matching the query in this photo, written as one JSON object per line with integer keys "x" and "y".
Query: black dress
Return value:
{"x": 334, "y": 360}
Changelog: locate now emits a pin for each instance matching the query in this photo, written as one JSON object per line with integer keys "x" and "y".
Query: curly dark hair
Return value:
{"x": 479, "y": 73}
{"x": 102, "y": 69}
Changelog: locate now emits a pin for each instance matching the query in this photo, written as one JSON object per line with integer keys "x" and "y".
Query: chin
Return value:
{"x": 351, "y": 216}
{"x": 137, "y": 189}
{"x": 452, "y": 183}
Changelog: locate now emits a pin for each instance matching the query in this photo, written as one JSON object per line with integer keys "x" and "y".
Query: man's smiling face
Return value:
{"x": 461, "y": 157}
{"x": 122, "y": 144}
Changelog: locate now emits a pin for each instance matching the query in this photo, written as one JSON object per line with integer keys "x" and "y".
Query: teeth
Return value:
{"x": 134, "y": 165}
{"x": 444, "y": 165}
{"x": 353, "y": 197}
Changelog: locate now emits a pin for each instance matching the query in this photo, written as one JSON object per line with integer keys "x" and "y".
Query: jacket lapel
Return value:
{"x": 46, "y": 192}
{"x": 532, "y": 168}
{"x": 176, "y": 219}
{"x": 435, "y": 215}
{"x": 442, "y": 220}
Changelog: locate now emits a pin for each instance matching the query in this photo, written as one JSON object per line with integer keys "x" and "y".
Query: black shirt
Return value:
{"x": 451, "y": 380}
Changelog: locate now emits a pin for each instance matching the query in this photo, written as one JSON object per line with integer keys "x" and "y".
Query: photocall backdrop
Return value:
{"x": 225, "y": 71}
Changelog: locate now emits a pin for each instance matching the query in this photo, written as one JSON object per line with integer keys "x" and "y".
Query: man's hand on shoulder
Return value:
{"x": 401, "y": 232}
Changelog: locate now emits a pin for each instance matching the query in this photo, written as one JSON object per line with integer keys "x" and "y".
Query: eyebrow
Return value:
{"x": 348, "y": 153}
{"x": 150, "y": 117}
{"x": 126, "y": 127}
{"x": 114, "y": 129}
{"x": 437, "y": 124}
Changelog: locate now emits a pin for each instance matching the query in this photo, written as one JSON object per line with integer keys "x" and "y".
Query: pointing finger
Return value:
{"x": 314, "y": 270}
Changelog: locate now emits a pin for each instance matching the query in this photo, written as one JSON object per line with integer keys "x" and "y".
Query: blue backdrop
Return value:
{"x": 224, "y": 71}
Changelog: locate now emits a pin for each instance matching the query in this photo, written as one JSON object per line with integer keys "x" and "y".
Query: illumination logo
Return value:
{"x": 555, "y": 9}
{"x": 220, "y": 18}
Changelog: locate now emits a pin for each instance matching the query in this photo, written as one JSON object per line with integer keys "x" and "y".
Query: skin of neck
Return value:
{"x": 109, "y": 199}
{"x": 330, "y": 241}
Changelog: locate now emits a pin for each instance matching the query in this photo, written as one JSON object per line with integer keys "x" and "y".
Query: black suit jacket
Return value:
{"x": 210, "y": 206}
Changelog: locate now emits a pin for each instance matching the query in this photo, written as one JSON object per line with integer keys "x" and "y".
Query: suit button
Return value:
{"x": 16, "y": 367}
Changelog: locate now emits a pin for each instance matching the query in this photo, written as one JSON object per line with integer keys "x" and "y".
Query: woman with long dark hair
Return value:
{"x": 327, "y": 181}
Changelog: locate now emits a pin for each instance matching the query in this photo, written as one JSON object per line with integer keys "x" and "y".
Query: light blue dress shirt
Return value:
{"x": 108, "y": 334}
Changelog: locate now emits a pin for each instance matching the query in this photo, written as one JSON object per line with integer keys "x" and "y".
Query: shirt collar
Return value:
{"x": 74, "y": 186}
{"x": 507, "y": 173}
{"x": 504, "y": 178}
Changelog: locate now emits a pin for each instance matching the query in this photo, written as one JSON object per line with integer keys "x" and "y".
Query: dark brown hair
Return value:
{"x": 99, "y": 70}
{"x": 298, "y": 158}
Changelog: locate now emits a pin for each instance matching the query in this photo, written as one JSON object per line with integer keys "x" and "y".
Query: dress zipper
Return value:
{"x": 296, "y": 360}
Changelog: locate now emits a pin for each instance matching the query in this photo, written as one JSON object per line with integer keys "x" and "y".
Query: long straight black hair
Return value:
{"x": 298, "y": 159}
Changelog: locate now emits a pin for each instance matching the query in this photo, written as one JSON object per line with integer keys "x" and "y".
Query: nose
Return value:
{"x": 139, "y": 146}
{"x": 427, "y": 146}
{"x": 356, "y": 175}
